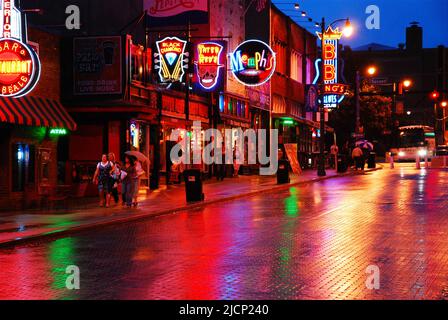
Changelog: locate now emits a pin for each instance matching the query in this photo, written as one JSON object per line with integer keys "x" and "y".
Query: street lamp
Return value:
{"x": 407, "y": 83}
{"x": 348, "y": 31}
{"x": 371, "y": 71}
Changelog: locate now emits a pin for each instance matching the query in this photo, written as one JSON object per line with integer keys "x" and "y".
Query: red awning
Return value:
{"x": 36, "y": 112}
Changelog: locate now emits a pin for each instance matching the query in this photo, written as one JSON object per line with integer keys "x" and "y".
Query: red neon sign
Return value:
{"x": 7, "y": 18}
{"x": 19, "y": 64}
{"x": 16, "y": 67}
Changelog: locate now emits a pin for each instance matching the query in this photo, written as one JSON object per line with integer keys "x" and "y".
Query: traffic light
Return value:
{"x": 435, "y": 95}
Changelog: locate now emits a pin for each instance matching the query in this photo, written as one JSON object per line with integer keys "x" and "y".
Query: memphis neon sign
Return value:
{"x": 253, "y": 63}
{"x": 333, "y": 92}
{"x": 19, "y": 63}
{"x": 171, "y": 59}
{"x": 209, "y": 65}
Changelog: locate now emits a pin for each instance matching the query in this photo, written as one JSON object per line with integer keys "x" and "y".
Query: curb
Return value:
{"x": 55, "y": 234}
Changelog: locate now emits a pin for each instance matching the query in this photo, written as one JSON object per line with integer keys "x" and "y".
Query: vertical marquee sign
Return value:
{"x": 332, "y": 92}
{"x": 171, "y": 59}
{"x": 19, "y": 63}
{"x": 209, "y": 64}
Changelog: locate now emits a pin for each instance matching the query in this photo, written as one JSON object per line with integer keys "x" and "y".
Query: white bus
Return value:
{"x": 413, "y": 141}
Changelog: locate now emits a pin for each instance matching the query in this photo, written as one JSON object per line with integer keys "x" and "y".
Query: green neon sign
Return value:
{"x": 58, "y": 132}
{"x": 288, "y": 122}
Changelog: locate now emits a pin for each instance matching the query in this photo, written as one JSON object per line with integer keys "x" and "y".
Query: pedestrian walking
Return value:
{"x": 114, "y": 177}
{"x": 136, "y": 181}
{"x": 358, "y": 158}
{"x": 222, "y": 166}
{"x": 236, "y": 164}
{"x": 102, "y": 179}
{"x": 334, "y": 151}
{"x": 128, "y": 175}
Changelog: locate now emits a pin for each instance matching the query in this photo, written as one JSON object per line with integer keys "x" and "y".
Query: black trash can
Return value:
{"x": 283, "y": 172}
{"x": 193, "y": 185}
{"x": 342, "y": 163}
{"x": 371, "y": 161}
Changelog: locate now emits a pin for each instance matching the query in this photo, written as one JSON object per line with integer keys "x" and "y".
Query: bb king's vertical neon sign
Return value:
{"x": 19, "y": 63}
{"x": 331, "y": 69}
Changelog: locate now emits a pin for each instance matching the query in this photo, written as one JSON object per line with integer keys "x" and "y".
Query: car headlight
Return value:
{"x": 401, "y": 154}
{"x": 422, "y": 153}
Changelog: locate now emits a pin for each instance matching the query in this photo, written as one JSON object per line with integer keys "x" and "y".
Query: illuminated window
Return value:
{"x": 280, "y": 51}
{"x": 309, "y": 72}
{"x": 296, "y": 66}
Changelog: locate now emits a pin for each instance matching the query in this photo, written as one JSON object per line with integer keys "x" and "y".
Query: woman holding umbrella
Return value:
{"x": 138, "y": 159}
{"x": 128, "y": 177}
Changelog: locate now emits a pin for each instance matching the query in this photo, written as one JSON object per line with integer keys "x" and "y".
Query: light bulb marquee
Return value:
{"x": 333, "y": 93}
{"x": 19, "y": 63}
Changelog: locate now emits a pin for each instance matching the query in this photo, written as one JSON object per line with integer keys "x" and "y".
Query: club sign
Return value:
{"x": 209, "y": 65}
{"x": 171, "y": 59}
{"x": 332, "y": 91}
{"x": 19, "y": 63}
{"x": 253, "y": 63}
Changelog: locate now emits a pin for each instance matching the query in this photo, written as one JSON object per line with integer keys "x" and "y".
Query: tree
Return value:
{"x": 375, "y": 116}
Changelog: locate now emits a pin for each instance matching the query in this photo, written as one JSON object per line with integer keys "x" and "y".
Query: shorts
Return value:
{"x": 104, "y": 186}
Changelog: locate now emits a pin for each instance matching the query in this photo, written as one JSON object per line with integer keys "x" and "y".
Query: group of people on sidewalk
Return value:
{"x": 109, "y": 174}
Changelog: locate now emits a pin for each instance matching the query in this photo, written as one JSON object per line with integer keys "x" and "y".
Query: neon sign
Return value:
{"x": 253, "y": 63}
{"x": 171, "y": 59}
{"x": 332, "y": 92}
{"x": 19, "y": 63}
{"x": 209, "y": 65}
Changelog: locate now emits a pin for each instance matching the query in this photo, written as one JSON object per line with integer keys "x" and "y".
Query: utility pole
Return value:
{"x": 321, "y": 167}
{"x": 358, "y": 103}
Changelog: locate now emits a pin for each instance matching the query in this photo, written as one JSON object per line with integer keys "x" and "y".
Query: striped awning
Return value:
{"x": 36, "y": 112}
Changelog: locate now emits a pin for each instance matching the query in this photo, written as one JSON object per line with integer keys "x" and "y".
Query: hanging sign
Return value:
{"x": 163, "y": 9}
{"x": 19, "y": 63}
{"x": 171, "y": 59}
{"x": 332, "y": 92}
{"x": 253, "y": 63}
{"x": 209, "y": 65}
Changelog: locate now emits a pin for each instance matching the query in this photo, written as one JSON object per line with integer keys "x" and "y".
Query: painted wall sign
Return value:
{"x": 210, "y": 65}
{"x": 331, "y": 99}
{"x": 253, "y": 63}
{"x": 19, "y": 63}
{"x": 171, "y": 59}
{"x": 98, "y": 65}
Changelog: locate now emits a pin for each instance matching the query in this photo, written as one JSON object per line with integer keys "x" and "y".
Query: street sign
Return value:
{"x": 379, "y": 81}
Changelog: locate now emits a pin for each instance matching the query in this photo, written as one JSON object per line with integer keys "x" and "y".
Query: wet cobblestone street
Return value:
{"x": 310, "y": 242}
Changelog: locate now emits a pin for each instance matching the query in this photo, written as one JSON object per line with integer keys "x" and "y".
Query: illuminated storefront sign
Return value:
{"x": 253, "y": 63}
{"x": 333, "y": 92}
{"x": 19, "y": 63}
{"x": 134, "y": 131}
{"x": 171, "y": 59}
{"x": 209, "y": 65}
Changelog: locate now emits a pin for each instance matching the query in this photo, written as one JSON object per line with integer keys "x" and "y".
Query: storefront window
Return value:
{"x": 138, "y": 60}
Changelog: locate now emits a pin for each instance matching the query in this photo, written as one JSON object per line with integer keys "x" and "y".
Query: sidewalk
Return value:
{"x": 20, "y": 227}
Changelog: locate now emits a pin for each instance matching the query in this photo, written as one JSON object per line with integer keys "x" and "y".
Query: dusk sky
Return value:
{"x": 395, "y": 17}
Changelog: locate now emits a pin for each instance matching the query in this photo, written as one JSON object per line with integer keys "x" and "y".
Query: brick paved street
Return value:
{"x": 312, "y": 241}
